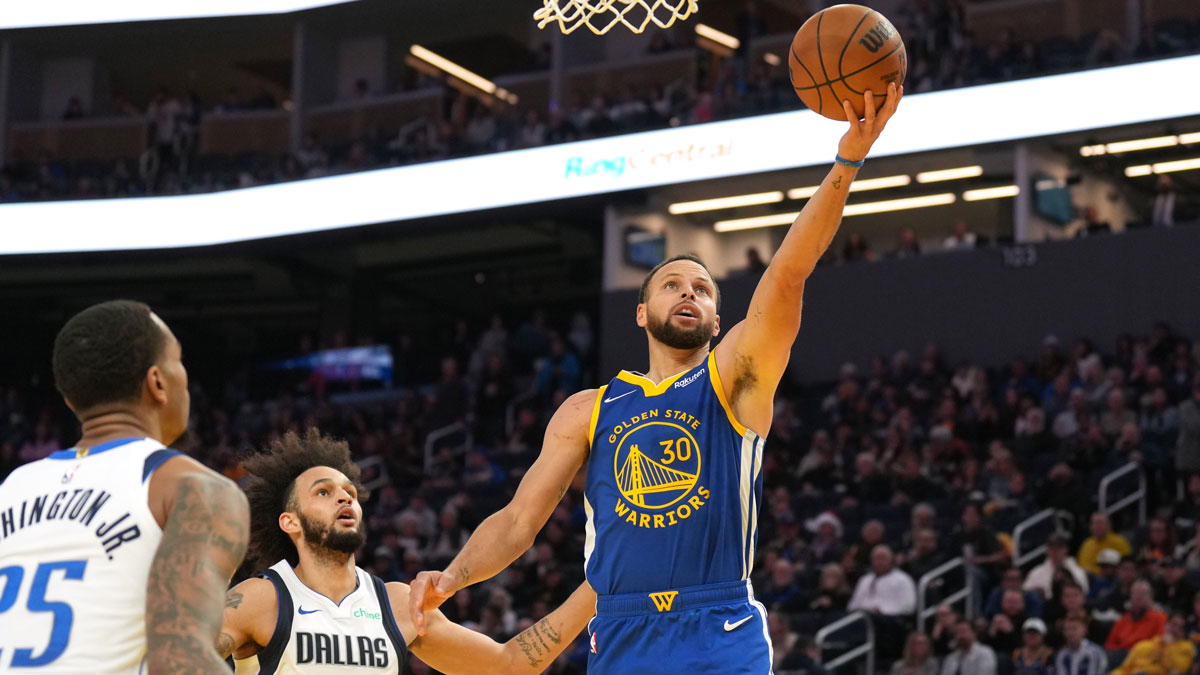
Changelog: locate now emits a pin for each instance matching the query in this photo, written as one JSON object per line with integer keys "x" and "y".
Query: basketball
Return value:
{"x": 842, "y": 52}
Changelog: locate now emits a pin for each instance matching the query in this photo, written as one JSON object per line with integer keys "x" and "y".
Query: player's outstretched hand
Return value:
{"x": 857, "y": 142}
{"x": 426, "y": 593}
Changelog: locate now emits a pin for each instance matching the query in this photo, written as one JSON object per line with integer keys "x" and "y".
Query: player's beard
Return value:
{"x": 324, "y": 536}
{"x": 679, "y": 338}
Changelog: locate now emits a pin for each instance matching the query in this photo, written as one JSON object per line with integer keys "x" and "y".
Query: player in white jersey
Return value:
{"x": 114, "y": 554}
{"x": 314, "y": 612}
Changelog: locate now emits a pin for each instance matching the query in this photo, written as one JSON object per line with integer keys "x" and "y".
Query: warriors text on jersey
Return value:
{"x": 76, "y": 541}
{"x": 673, "y": 485}
{"x": 315, "y": 635}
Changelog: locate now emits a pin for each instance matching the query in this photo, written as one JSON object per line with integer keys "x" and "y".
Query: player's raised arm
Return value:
{"x": 452, "y": 649}
{"x": 509, "y": 532}
{"x": 203, "y": 542}
{"x": 754, "y": 353}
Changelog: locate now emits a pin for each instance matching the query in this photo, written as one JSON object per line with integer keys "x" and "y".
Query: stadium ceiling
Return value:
{"x": 74, "y": 13}
{"x": 958, "y": 118}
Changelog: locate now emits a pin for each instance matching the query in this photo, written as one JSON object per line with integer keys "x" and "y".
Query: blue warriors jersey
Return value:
{"x": 673, "y": 485}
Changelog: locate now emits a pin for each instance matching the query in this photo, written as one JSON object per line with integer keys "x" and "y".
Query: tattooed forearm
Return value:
{"x": 837, "y": 183}
{"x": 233, "y": 600}
{"x": 464, "y": 575}
{"x": 203, "y": 542}
{"x": 527, "y": 648}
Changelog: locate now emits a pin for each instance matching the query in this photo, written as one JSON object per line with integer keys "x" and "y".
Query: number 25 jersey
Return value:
{"x": 673, "y": 485}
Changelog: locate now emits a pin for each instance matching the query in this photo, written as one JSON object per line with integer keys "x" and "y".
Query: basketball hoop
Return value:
{"x": 601, "y": 15}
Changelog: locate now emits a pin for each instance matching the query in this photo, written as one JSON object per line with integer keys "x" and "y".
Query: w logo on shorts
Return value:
{"x": 663, "y": 601}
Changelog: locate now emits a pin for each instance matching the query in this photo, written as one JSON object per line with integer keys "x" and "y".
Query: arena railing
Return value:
{"x": 1109, "y": 507}
{"x": 438, "y": 434}
{"x": 865, "y": 650}
{"x": 964, "y": 594}
{"x": 1020, "y": 556}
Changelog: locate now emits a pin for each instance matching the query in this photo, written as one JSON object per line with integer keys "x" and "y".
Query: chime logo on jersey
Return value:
{"x": 657, "y": 466}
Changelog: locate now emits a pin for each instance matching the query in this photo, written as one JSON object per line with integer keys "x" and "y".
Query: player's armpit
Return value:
{"x": 203, "y": 543}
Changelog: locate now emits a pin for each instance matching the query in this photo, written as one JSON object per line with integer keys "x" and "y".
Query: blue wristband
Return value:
{"x": 845, "y": 162}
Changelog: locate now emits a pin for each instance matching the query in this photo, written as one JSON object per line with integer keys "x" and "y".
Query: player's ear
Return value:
{"x": 288, "y": 522}
{"x": 641, "y": 315}
{"x": 156, "y": 384}
{"x": 716, "y": 325}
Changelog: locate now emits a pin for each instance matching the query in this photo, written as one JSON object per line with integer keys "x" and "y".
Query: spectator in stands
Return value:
{"x": 1173, "y": 590}
{"x": 969, "y": 656}
{"x": 1106, "y": 563}
{"x": 1187, "y": 448}
{"x": 1079, "y": 656}
{"x": 1071, "y": 604}
{"x": 1058, "y": 567}
{"x": 1159, "y": 544}
{"x": 861, "y": 554}
{"x": 980, "y": 543}
{"x": 1102, "y": 537}
{"x": 1170, "y": 653}
{"x": 1033, "y": 657}
{"x": 907, "y": 245}
{"x": 1012, "y": 580}
{"x": 924, "y": 557}
{"x": 918, "y": 658}
{"x": 1110, "y": 605}
{"x": 869, "y": 485}
{"x": 1141, "y": 622}
{"x": 832, "y": 593}
{"x": 803, "y": 658}
{"x": 944, "y": 634}
{"x": 1003, "y": 632}
{"x": 782, "y": 588}
{"x": 826, "y": 546}
{"x": 1162, "y": 211}
{"x": 886, "y": 589}
{"x": 40, "y": 445}
{"x": 960, "y": 239}
{"x": 1192, "y": 561}
{"x": 856, "y": 249}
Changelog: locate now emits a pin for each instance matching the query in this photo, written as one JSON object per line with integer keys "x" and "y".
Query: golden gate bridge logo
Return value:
{"x": 651, "y": 483}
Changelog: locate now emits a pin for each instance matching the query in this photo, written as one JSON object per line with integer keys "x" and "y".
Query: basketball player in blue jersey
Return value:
{"x": 114, "y": 554}
{"x": 313, "y": 611}
{"x": 673, "y": 460}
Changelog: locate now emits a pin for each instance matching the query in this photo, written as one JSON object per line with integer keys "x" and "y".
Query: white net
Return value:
{"x": 601, "y": 15}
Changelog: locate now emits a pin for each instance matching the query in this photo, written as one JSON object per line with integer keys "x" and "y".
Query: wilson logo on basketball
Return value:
{"x": 877, "y": 36}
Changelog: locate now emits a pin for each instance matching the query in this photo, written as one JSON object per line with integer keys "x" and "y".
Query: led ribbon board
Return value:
{"x": 18, "y": 14}
{"x": 933, "y": 121}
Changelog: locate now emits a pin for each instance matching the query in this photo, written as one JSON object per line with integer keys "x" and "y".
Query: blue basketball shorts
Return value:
{"x": 717, "y": 629}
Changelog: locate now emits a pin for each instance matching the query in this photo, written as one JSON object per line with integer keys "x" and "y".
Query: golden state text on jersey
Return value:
{"x": 673, "y": 485}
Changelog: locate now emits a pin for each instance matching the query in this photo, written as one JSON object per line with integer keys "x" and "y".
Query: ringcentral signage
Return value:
{"x": 939, "y": 120}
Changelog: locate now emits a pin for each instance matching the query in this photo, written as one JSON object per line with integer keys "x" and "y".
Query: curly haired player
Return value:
{"x": 313, "y": 611}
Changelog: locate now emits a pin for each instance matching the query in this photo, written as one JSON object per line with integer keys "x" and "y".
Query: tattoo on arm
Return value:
{"x": 533, "y": 641}
{"x": 203, "y": 543}
{"x": 225, "y": 645}
{"x": 562, "y": 491}
{"x": 464, "y": 574}
{"x": 837, "y": 183}
{"x": 233, "y": 600}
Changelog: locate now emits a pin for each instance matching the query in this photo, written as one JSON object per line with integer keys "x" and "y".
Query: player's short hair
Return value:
{"x": 271, "y": 488}
{"x": 675, "y": 258}
{"x": 102, "y": 354}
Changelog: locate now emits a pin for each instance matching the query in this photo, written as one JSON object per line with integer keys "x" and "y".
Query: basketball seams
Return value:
{"x": 849, "y": 75}
{"x": 824, "y": 73}
{"x": 849, "y": 40}
{"x": 821, "y": 102}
